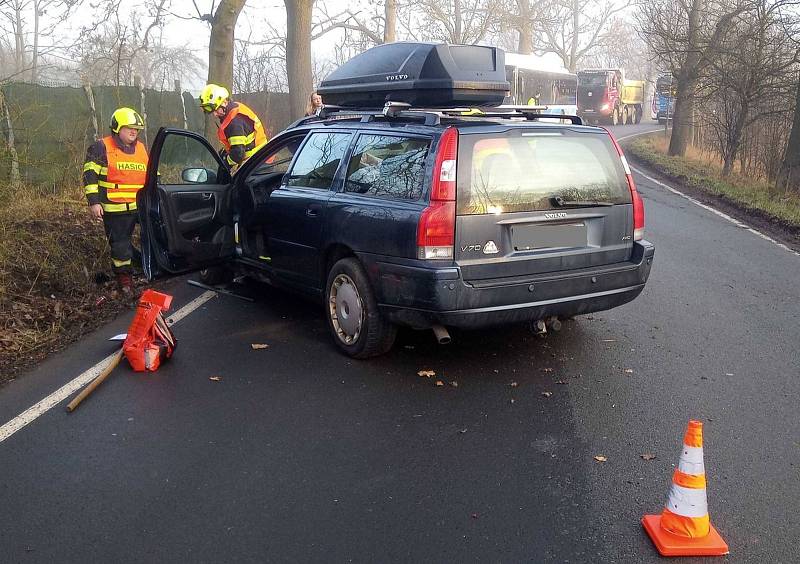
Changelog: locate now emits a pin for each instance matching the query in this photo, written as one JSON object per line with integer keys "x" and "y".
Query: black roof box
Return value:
{"x": 425, "y": 75}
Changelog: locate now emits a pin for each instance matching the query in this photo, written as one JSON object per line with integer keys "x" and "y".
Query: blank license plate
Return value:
{"x": 528, "y": 237}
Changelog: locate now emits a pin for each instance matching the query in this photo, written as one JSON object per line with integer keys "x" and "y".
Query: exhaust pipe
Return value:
{"x": 554, "y": 324}
{"x": 441, "y": 334}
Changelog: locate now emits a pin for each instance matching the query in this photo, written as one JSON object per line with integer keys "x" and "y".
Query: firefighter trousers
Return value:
{"x": 119, "y": 229}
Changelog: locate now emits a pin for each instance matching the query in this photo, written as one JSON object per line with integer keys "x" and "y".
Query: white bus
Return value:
{"x": 541, "y": 80}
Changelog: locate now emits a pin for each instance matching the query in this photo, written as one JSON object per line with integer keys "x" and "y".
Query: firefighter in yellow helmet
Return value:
{"x": 115, "y": 170}
{"x": 240, "y": 131}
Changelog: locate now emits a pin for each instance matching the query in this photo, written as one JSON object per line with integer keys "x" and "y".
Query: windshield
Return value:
{"x": 525, "y": 171}
{"x": 592, "y": 80}
{"x": 663, "y": 85}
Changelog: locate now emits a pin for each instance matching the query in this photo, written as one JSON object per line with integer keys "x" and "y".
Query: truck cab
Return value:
{"x": 605, "y": 96}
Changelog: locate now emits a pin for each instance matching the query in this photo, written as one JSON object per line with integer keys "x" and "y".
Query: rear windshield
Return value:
{"x": 527, "y": 171}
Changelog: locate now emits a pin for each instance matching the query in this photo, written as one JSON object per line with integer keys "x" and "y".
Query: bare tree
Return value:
{"x": 751, "y": 73}
{"x": 34, "y": 26}
{"x": 684, "y": 37}
{"x": 575, "y": 27}
{"x": 455, "y": 21}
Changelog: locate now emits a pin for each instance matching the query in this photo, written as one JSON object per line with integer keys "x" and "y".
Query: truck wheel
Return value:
{"x": 615, "y": 116}
{"x": 626, "y": 116}
{"x": 357, "y": 325}
{"x": 638, "y": 116}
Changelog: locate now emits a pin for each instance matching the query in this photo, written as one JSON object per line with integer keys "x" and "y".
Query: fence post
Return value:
{"x": 179, "y": 92}
{"x": 137, "y": 83}
{"x": 90, "y": 97}
{"x": 15, "y": 178}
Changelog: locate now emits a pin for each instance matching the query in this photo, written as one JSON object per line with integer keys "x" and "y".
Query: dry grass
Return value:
{"x": 49, "y": 254}
{"x": 703, "y": 170}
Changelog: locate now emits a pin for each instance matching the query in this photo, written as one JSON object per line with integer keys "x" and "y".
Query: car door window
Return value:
{"x": 186, "y": 160}
{"x": 278, "y": 161}
{"x": 318, "y": 160}
{"x": 388, "y": 166}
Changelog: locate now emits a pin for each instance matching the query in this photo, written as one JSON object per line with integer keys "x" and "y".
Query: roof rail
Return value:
{"x": 433, "y": 116}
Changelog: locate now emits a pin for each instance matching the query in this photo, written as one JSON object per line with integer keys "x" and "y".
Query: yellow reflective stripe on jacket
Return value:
{"x": 93, "y": 166}
{"x": 113, "y": 186}
{"x": 113, "y": 208}
{"x": 119, "y": 263}
{"x": 251, "y": 152}
{"x": 125, "y": 196}
{"x": 242, "y": 139}
{"x": 90, "y": 189}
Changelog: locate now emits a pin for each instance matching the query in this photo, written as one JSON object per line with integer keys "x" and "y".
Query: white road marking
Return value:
{"x": 723, "y": 215}
{"x": 631, "y": 136}
{"x": 42, "y": 407}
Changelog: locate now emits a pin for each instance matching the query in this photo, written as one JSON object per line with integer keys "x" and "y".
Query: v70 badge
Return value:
{"x": 490, "y": 248}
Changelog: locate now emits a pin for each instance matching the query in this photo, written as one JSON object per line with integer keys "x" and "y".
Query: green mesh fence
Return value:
{"x": 51, "y": 129}
{"x": 53, "y": 125}
{"x": 194, "y": 115}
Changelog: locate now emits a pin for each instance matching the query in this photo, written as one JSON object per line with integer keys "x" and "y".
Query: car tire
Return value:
{"x": 356, "y": 324}
{"x": 214, "y": 275}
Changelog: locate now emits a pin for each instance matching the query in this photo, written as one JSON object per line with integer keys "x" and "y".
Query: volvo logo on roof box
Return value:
{"x": 555, "y": 215}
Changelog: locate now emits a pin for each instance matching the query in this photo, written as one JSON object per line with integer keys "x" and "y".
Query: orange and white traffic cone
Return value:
{"x": 684, "y": 528}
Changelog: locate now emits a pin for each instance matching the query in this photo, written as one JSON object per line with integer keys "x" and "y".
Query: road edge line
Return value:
{"x": 43, "y": 406}
{"x": 723, "y": 215}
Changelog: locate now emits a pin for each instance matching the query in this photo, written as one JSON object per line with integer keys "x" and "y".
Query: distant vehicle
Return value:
{"x": 541, "y": 81}
{"x": 606, "y": 96}
{"x": 664, "y": 99}
{"x": 404, "y": 214}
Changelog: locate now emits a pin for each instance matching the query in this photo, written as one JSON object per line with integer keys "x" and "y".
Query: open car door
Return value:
{"x": 185, "y": 209}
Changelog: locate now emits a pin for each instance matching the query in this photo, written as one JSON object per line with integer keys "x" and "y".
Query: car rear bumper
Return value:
{"x": 422, "y": 297}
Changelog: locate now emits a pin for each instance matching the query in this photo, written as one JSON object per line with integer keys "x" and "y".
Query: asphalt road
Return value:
{"x": 299, "y": 454}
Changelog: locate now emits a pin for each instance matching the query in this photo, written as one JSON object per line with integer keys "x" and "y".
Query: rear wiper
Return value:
{"x": 560, "y": 202}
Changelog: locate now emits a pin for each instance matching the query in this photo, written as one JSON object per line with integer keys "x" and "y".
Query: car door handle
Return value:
{"x": 207, "y": 195}
{"x": 313, "y": 210}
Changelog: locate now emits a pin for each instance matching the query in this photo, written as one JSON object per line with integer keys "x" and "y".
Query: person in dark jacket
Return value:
{"x": 240, "y": 131}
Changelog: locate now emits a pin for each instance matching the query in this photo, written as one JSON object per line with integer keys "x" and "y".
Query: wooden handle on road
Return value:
{"x": 96, "y": 382}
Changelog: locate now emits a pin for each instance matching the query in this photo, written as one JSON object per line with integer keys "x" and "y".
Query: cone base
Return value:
{"x": 668, "y": 544}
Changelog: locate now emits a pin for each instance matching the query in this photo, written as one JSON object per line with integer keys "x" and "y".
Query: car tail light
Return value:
{"x": 636, "y": 198}
{"x": 437, "y": 224}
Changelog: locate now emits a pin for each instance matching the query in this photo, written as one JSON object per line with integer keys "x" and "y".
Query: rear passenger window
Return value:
{"x": 318, "y": 160}
{"x": 388, "y": 166}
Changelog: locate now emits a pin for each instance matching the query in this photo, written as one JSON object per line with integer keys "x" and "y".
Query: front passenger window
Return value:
{"x": 318, "y": 160}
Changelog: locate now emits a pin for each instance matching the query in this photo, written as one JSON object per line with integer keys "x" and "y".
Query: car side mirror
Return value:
{"x": 198, "y": 176}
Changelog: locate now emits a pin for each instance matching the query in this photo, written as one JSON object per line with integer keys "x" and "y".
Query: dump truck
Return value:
{"x": 606, "y": 96}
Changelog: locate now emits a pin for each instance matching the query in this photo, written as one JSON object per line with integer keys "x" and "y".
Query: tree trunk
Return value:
{"x": 686, "y": 86}
{"x": 524, "y": 27}
{"x": 789, "y": 175}
{"x": 35, "y": 55}
{"x": 458, "y": 25}
{"x": 19, "y": 40}
{"x": 390, "y": 21}
{"x": 734, "y": 141}
{"x": 573, "y": 48}
{"x": 220, "y": 49}
{"x": 298, "y": 54}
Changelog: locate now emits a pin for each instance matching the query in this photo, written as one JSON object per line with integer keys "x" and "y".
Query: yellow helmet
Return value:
{"x": 126, "y": 117}
{"x": 213, "y": 96}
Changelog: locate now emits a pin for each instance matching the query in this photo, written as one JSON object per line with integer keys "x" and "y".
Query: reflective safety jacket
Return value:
{"x": 114, "y": 173}
{"x": 241, "y": 133}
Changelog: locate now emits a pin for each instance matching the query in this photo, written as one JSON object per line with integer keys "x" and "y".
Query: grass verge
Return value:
{"x": 704, "y": 172}
{"x": 50, "y": 254}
